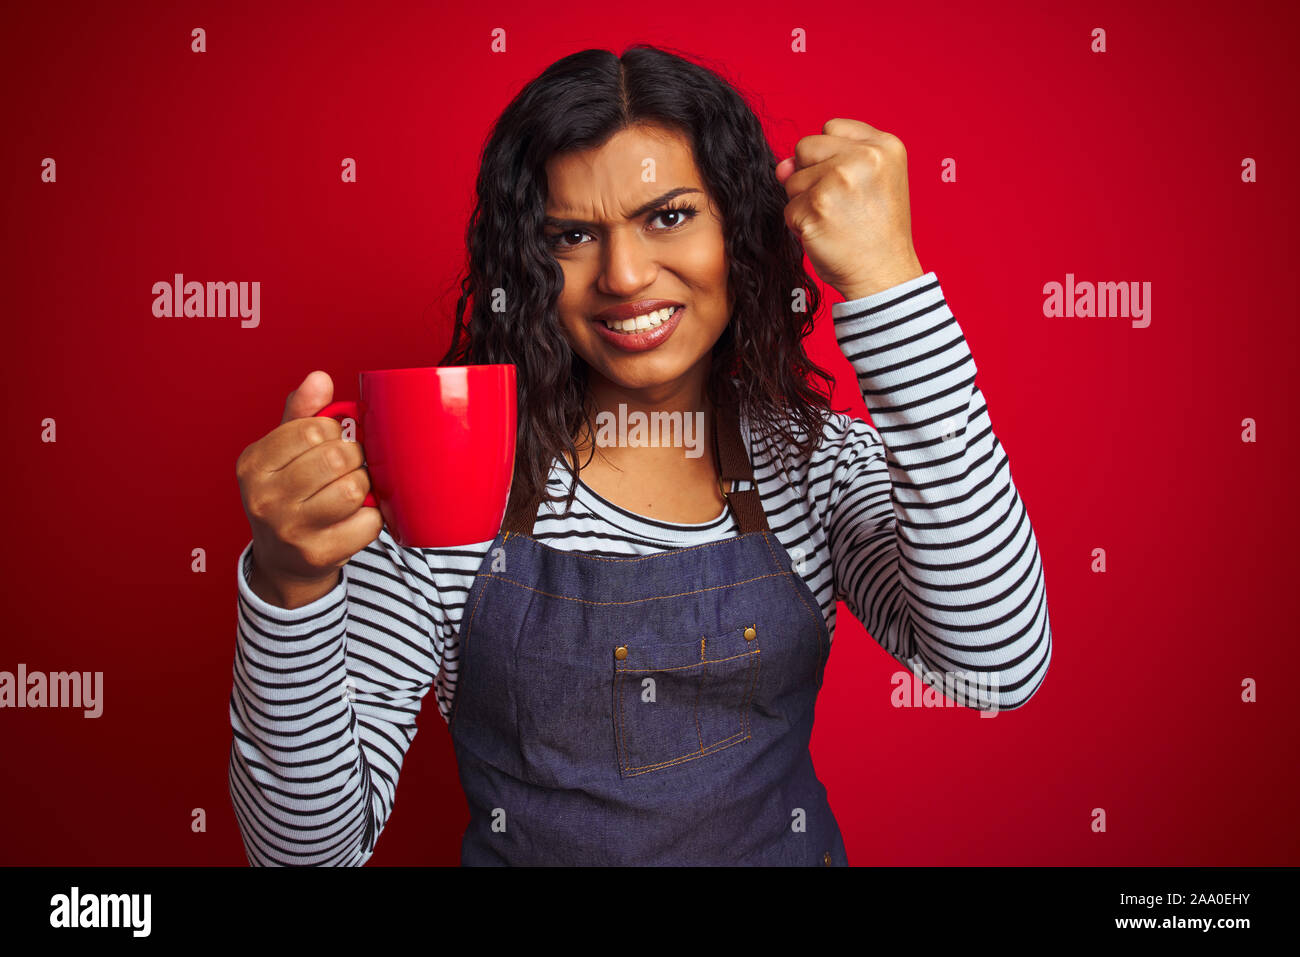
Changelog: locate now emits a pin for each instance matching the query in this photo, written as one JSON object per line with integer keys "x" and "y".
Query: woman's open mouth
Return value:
{"x": 643, "y": 332}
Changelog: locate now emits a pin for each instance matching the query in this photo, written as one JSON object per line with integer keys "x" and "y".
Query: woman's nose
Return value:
{"x": 628, "y": 265}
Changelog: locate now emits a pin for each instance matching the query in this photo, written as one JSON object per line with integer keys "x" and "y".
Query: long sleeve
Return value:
{"x": 324, "y": 707}
{"x": 932, "y": 547}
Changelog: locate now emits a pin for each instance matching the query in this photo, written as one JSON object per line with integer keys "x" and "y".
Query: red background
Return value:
{"x": 224, "y": 166}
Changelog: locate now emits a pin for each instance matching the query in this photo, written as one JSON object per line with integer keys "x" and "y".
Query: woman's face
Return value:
{"x": 611, "y": 226}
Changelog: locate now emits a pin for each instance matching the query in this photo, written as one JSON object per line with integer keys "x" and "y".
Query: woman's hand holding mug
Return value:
{"x": 435, "y": 445}
{"x": 303, "y": 487}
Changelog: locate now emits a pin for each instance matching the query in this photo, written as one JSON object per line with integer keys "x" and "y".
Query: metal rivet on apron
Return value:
{"x": 620, "y": 652}
{"x": 750, "y": 633}
{"x": 826, "y": 858}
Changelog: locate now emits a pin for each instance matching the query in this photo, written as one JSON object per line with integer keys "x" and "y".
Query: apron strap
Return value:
{"x": 733, "y": 464}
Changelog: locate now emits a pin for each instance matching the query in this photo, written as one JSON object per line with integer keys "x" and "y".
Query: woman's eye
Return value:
{"x": 555, "y": 239}
{"x": 681, "y": 214}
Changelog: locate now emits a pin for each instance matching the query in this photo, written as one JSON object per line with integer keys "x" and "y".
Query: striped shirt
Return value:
{"x": 915, "y": 524}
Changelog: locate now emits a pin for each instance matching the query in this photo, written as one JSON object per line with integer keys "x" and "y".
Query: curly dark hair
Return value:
{"x": 578, "y": 103}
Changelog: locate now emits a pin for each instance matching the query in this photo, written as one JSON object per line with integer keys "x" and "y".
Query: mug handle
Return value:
{"x": 348, "y": 409}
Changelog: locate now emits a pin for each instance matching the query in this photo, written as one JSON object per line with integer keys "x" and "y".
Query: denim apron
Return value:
{"x": 651, "y": 710}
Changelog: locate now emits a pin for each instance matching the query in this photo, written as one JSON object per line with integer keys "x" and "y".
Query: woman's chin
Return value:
{"x": 645, "y": 373}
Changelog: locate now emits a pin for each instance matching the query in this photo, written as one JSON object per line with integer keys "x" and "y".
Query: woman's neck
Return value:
{"x": 664, "y": 428}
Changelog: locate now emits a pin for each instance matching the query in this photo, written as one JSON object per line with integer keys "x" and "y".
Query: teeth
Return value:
{"x": 641, "y": 323}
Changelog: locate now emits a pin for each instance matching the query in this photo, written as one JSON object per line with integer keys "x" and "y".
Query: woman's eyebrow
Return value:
{"x": 638, "y": 212}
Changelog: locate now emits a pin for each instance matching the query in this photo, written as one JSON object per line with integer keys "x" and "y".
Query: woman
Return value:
{"x": 629, "y": 670}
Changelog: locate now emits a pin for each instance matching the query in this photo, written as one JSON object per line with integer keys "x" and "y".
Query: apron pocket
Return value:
{"x": 677, "y": 702}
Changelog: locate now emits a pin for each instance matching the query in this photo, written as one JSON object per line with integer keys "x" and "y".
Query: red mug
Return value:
{"x": 439, "y": 445}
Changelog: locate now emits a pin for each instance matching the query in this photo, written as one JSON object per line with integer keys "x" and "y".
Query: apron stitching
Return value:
{"x": 713, "y": 749}
{"x": 637, "y": 558}
{"x": 744, "y": 708}
{"x": 618, "y": 720}
{"x": 461, "y": 657}
{"x": 819, "y": 620}
{"x": 699, "y": 685}
{"x": 712, "y": 661}
{"x": 637, "y": 601}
